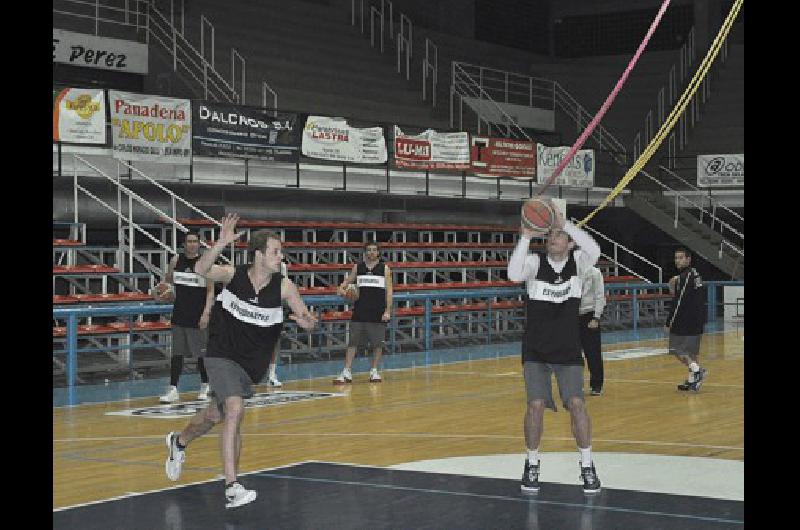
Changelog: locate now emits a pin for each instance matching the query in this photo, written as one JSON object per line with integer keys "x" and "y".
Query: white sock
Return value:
{"x": 272, "y": 372}
{"x": 533, "y": 456}
{"x": 694, "y": 367}
{"x": 586, "y": 456}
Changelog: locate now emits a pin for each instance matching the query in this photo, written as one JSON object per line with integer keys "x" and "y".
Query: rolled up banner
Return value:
{"x": 334, "y": 139}
{"x": 79, "y": 115}
{"x": 151, "y": 128}
{"x": 431, "y": 150}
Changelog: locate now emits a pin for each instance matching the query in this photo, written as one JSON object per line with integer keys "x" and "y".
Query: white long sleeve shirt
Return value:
{"x": 523, "y": 267}
{"x": 593, "y": 298}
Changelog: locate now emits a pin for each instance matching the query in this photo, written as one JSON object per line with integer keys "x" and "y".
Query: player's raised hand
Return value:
{"x": 228, "y": 233}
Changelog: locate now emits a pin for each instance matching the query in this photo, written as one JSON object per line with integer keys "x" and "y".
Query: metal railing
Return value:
{"x": 430, "y": 68}
{"x": 723, "y": 227}
{"x": 713, "y": 203}
{"x": 615, "y": 256}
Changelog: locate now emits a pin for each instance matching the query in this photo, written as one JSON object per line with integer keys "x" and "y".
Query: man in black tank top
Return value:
{"x": 371, "y": 311}
{"x": 194, "y": 298}
{"x": 246, "y": 323}
{"x": 551, "y": 343}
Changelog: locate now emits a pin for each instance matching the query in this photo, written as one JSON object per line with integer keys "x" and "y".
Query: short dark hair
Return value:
{"x": 370, "y": 243}
{"x": 258, "y": 240}
{"x": 686, "y": 252}
{"x": 191, "y": 233}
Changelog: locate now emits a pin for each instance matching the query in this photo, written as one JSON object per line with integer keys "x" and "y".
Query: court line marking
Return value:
{"x": 413, "y": 435}
{"x": 505, "y": 498}
{"x": 139, "y": 493}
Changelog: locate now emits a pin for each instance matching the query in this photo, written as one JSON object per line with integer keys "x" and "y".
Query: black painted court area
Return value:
{"x": 322, "y": 495}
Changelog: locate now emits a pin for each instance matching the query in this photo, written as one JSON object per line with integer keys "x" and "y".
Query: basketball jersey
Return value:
{"x": 552, "y": 332}
{"x": 371, "y": 301}
{"x": 246, "y": 325}
{"x": 190, "y": 293}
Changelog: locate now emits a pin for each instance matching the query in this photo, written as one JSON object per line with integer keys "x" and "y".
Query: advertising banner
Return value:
{"x": 720, "y": 170}
{"x": 502, "y": 157}
{"x": 79, "y": 115}
{"x": 224, "y": 130}
{"x": 431, "y": 150}
{"x": 150, "y": 128}
{"x": 579, "y": 172}
{"x": 91, "y": 51}
{"x": 334, "y": 139}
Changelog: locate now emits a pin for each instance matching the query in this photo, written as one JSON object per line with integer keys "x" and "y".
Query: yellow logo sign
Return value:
{"x": 83, "y": 106}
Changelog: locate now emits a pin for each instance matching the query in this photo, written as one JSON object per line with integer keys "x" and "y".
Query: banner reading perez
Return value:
{"x": 431, "y": 150}
{"x": 503, "y": 157}
{"x": 150, "y": 128}
{"x": 335, "y": 139}
{"x": 233, "y": 131}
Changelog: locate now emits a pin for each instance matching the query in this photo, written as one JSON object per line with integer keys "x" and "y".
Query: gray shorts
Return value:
{"x": 539, "y": 382}
{"x": 227, "y": 378}
{"x": 363, "y": 333}
{"x": 684, "y": 345}
{"x": 189, "y": 341}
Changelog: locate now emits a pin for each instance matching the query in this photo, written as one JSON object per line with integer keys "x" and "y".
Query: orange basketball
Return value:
{"x": 538, "y": 215}
{"x": 351, "y": 293}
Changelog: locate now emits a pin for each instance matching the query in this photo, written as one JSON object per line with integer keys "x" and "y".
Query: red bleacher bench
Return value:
{"x": 343, "y": 225}
{"x": 84, "y": 269}
{"x": 67, "y": 243}
{"x": 622, "y": 279}
{"x": 129, "y": 296}
{"x": 113, "y": 327}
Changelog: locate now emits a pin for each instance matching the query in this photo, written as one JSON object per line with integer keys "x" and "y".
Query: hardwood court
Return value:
{"x": 460, "y": 409}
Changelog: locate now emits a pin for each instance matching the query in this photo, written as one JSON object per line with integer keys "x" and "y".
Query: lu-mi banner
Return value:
{"x": 151, "y": 128}
{"x": 79, "y": 115}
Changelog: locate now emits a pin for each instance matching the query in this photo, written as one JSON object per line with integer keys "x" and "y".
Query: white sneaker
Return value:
{"x": 171, "y": 396}
{"x": 374, "y": 376}
{"x": 175, "y": 457}
{"x": 273, "y": 381}
{"x": 203, "y": 394}
{"x": 237, "y": 495}
{"x": 344, "y": 378}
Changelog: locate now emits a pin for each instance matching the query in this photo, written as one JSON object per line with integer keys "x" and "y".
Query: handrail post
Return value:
{"x": 428, "y": 338}
{"x": 72, "y": 356}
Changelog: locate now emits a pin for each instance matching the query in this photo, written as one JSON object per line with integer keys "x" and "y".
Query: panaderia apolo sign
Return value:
{"x": 233, "y": 131}
{"x": 150, "y": 128}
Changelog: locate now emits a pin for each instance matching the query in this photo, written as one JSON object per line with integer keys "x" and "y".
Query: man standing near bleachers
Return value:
{"x": 686, "y": 319}
{"x": 371, "y": 311}
{"x": 593, "y": 301}
{"x": 551, "y": 343}
{"x": 194, "y": 298}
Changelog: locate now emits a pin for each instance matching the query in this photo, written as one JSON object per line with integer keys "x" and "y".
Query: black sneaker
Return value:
{"x": 530, "y": 477}
{"x": 686, "y": 386}
{"x": 591, "y": 484}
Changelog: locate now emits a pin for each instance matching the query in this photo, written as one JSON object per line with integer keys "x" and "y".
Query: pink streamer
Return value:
{"x": 609, "y": 100}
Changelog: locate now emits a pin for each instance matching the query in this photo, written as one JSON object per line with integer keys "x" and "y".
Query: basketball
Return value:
{"x": 351, "y": 293}
{"x": 538, "y": 215}
{"x": 164, "y": 291}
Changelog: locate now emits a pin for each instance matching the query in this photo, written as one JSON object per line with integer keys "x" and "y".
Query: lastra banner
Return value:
{"x": 720, "y": 170}
{"x": 502, "y": 157}
{"x": 579, "y": 172}
{"x": 431, "y": 150}
{"x": 223, "y": 130}
{"x": 79, "y": 115}
{"x": 151, "y": 128}
{"x": 334, "y": 139}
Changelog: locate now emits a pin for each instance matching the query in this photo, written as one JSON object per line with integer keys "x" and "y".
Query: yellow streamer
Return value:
{"x": 677, "y": 111}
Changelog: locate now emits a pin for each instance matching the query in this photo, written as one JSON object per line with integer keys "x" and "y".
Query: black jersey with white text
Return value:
{"x": 687, "y": 315}
{"x": 371, "y": 301}
{"x": 245, "y": 324}
{"x": 190, "y": 293}
{"x": 552, "y": 332}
